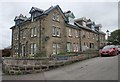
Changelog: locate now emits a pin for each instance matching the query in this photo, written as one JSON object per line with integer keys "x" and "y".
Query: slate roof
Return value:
{"x": 43, "y": 13}
{"x": 24, "y": 18}
{"x": 35, "y": 9}
{"x": 86, "y": 28}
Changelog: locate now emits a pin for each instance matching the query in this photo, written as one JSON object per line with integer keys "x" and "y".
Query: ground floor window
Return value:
{"x": 75, "y": 47}
{"x": 56, "y": 48}
{"x": 33, "y": 48}
{"x": 91, "y": 45}
{"x": 68, "y": 47}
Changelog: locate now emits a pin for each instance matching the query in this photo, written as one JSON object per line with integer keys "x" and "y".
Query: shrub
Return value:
{"x": 40, "y": 54}
{"x": 91, "y": 51}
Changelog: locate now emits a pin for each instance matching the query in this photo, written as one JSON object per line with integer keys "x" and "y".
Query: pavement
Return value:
{"x": 99, "y": 68}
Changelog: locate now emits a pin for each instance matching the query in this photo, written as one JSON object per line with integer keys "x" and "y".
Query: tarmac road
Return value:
{"x": 99, "y": 68}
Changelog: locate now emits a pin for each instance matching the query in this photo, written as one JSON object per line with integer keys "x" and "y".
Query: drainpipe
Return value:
{"x": 12, "y": 43}
{"x": 80, "y": 40}
{"x": 19, "y": 41}
{"x": 40, "y": 38}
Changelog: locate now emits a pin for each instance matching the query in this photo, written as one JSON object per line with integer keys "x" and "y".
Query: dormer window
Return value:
{"x": 35, "y": 12}
{"x": 70, "y": 17}
{"x": 19, "y": 19}
{"x": 32, "y": 19}
{"x": 84, "y": 23}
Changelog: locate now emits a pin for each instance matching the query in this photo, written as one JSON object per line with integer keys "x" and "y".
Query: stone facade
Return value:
{"x": 50, "y": 32}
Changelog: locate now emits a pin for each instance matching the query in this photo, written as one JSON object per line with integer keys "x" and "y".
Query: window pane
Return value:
{"x": 35, "y": 31}
{"x": 57, "y": 17}
{"x": 54, "y": 48}
{"x": 54, "y": 31}
{"x": 31, "y": 45}
{"x": 58, "y": 48}
{"x": 35, "y": 48}
{"x": 32, "y": 31}
{"x": 54, "y": 17}
{"x": 58, "y": 31}
{"x": 68, "y": 47}
{"x": 70, "y": 32}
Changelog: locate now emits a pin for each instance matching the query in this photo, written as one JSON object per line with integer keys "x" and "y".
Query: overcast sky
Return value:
{"x": 103, "y": 12}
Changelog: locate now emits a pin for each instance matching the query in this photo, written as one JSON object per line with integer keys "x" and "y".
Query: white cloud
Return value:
{"x": 100, "y": 11}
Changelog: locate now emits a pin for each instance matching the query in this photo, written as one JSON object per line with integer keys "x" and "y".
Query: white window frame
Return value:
{"x": 24, "y": 34}
{"x": 76, "y": 33}
{"x": 70, "y": 32}
{"x": 58, "y": 32}
{"x": 68, "y": 47}
{"x": 31, "y": 48}
{"x": 35, "y": 31}
{"x": 54, "y": 16}
{"x": 16, "y": 37}
{"x": 32, "y": 32}
{"x": 84, "y": 23}
{"x": 58, "y": 48}
{"x": 54, "y": 48}
{"x": 57, "y": 17}
{"x": 88, "y": 34}
{"x": 35, "y": 48}
{"x": 53, "y": 31}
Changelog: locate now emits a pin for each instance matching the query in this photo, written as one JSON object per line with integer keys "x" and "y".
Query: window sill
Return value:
{"x": 56, "y": 20}
{"x": 57, "y": 36}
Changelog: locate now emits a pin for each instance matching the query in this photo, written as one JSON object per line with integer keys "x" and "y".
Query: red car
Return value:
{"x": 109, "y": 50}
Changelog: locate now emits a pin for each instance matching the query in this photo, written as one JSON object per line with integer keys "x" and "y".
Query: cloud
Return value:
{"x": 102, "y": 12}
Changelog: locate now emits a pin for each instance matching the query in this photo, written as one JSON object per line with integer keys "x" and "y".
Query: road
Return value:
{"x": 99, "y": 68}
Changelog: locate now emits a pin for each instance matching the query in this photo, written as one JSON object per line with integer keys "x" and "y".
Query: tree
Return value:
{"x": 114, "y": 38}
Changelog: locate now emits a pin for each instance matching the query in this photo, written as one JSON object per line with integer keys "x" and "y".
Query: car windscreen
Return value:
{"x": 108, "y": 47}
{"x": 118, "y": 46}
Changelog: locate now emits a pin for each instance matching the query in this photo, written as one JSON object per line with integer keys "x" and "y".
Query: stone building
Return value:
{"x": 49, "y": 32}
{"x": 91, "y": 34}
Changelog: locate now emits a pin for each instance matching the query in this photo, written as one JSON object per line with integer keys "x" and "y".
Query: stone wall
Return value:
{"x": 35, "y": 65}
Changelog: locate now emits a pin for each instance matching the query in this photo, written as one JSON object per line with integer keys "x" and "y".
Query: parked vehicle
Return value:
{"x": 118, "y": 46}
{"x": 109, "y": 50}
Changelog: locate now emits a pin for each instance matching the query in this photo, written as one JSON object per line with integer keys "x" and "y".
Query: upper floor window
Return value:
{"x": 70, "y": 32}
{"x": 83, "y": 34}
{"x": 24, "y": 34}
{"x": 55, "y": 31}
{"x": 55, "y": 16}
{"x": 17, "y": 36}
{"x": 34, "y": 32}
{"x": 58, "y": 31}
{"x": 93, "y": 36}
{"x": 96, "y": 37}
{"x": 88, "y": 34}
{"x": 76, "y": 33}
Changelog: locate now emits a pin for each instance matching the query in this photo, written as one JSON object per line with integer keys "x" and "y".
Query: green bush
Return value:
{"x": 91, "y": 51}
{"x": 40, "y": 54}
